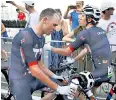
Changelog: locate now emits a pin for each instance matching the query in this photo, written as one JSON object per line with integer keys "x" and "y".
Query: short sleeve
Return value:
{"x": 27, "y": 48}
{"x": 81, "y": 39}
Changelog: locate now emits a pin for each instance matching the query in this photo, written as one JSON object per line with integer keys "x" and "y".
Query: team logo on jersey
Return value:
{"x": 82, "y": 38}
{"x": 102, "y": 32}
{"x": 23, "y": 40}
{"x": 37, "y": 52}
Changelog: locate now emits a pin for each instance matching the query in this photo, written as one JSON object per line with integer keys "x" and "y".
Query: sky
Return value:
{"x": 10, "y": 12}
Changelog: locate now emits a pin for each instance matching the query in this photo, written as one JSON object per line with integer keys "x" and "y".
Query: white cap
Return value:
{"x": 30, "y": 3}
{"x": 105, "y": 5}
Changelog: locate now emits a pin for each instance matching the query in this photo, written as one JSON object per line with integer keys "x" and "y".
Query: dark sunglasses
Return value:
{"x": 111, "y": 8}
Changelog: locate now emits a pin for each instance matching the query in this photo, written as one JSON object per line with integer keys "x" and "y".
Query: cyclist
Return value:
{"x": 97, "y": 41}
{"x": 26, "y": 66}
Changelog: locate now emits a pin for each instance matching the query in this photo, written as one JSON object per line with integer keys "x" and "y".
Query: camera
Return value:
{"x": 8, "y": 1}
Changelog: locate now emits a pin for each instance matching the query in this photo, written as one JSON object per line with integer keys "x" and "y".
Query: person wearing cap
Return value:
{"x": 108, "y": 23}
{"x": 72, "y": 13}
{"x": 30, "y": 10}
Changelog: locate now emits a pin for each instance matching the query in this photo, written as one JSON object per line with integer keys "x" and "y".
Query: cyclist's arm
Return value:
{"x": 35, "y": 69}
{"x": 45, "y": 69}
{"x": 81, "y": 54}
{"x": 80, "y": 40}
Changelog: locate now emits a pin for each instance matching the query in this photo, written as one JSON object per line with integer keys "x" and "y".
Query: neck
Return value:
{"x": 31, "y": 10}
{"x": 106, "y": 17}
{"x": 38, "y": 30}
{"x": 89, "y": 26}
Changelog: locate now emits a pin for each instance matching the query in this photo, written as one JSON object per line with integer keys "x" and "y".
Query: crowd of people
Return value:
{"x": 92, "y": 29}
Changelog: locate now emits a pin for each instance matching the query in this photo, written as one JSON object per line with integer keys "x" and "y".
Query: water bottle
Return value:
{"x": 74, "y": 85}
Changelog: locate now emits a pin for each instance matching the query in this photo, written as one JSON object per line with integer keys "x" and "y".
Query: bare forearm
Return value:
{"x": 68, "y": 39}
{"x": 36, "y": 72}
{"x": 45, "y": 70}
{"x": 66, "y": 14}
{"x": 62, "y": 51}
{"x": 81, "y": 54}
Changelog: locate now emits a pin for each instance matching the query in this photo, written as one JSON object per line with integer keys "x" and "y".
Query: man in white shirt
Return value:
{"x": 30, "y": 10}
{"x": 108, "y": 23}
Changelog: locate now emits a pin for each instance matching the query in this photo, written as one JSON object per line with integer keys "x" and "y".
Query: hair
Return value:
{"x": 17, "y": 10}
{"x": 58, "y": 11}
{"x": 78, "y": 29}
{"x": 49, "y": 12}
{"x": 104, "y": 11}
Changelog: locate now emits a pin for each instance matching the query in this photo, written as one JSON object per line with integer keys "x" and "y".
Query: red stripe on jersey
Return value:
{"x": 112, "y": 92}
{"x": 32, "y": 63}
{"x": 71, "y": 48}
{"x": 22, "y": 54}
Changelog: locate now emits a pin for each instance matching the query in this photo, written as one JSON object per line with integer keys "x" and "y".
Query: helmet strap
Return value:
{"x": 87, "y": 20}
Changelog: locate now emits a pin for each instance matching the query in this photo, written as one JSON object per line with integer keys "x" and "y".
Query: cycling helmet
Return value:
{"x": 86, "y": 80}
{"x": 91, "y": 12}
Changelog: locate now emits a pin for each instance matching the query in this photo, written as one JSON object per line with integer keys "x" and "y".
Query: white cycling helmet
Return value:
{"x": 92, "y": 12}
{"x": 86, "y": 80}
{"x": 29, "y": 3}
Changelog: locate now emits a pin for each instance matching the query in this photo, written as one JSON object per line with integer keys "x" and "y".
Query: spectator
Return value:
{"x": 3, "y": 32}
{"x": 4, "y": 55}
{"x": 21, "y": 16}
{"x": 30, "y": 10}
{"x": 73, "y": 16}
{"x": 108, "y": 23}
{"x": 60, "y": 31}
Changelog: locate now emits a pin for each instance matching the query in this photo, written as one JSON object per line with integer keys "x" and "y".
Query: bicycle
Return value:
{"x": 71, "y": 73}
{"x": 8, "y": 95}
{"x": 80, "y": 89}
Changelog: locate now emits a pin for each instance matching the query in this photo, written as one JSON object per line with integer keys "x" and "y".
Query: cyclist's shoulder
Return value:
{"x": 84, "y": 32}
{"x": 25, "y": 33}
{"x": 94, "y": 29}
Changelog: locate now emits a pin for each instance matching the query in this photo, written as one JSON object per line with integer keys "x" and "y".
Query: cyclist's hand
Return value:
{"x": 58, "y": 77}
{"x": 65, "y": 90}
{"x": 47, "y": 47}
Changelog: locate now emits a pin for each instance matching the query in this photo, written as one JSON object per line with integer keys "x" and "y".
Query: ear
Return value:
{"x": 45, "y": 19}
{"x": 89, "y": 19}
